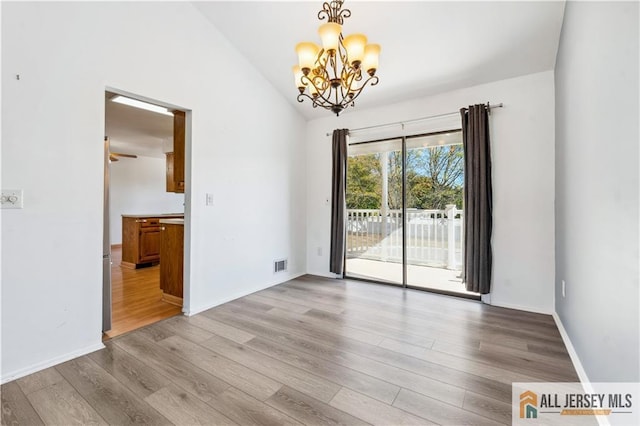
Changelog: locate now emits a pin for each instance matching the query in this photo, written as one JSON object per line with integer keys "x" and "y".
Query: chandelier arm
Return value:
{"x": 301, "y": 97}
{"x": 343, "y": 53}
{"x": 321, "y": 70}
{"x": 344, "y": 90}
{"x": 322, "y": 59}
{"x": 320, "y": 99}
{"x": 324, "y": 99}
{"x": 350, "y": 80}
{"x": 320, "y": 89}
{"x": 356, "y": 78}
{"x": 374, "y": 80}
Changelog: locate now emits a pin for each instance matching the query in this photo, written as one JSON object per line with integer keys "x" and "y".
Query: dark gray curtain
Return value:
{"x": 338, "y": 190}
{"x": 477, "y": 199}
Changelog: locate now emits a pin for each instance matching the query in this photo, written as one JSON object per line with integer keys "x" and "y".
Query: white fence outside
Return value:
{"x": 434, "y": 237}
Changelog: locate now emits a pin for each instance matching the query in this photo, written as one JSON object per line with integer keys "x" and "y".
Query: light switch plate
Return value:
{"x": 11, "y": 199}
{"x": 209, "y": 200}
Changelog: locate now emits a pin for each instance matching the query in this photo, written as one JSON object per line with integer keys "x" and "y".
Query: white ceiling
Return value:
{"x": 427, "y": 47}
{"x": 137, "y": 131}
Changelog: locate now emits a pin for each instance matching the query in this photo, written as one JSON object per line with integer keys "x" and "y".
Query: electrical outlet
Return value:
{"x": 564, "y": 290}
{"x": 11, "y": 199}
{"x": 209, "y": 200}
{"x": 319, "y": 251}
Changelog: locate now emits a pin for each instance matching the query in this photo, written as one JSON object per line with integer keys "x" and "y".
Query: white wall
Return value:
{"x": 597, "y": 187}
{"x": 138, "y": 186}
{"x": 247, "y": 149}
{"x": 522, "y": 145}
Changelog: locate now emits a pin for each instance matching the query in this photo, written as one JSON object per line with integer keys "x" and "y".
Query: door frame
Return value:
{"x": 404, "y": 283}
{"x": 186, "y": 305}
{"x": 106, "y": 242}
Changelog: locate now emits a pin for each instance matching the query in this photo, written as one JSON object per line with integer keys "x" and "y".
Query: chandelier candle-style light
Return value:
{"x": 332, "y": 75}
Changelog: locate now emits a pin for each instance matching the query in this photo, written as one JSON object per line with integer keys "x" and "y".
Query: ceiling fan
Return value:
{"x": 113, "y": 156}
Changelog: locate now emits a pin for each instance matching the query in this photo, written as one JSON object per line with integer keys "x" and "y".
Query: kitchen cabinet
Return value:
{"x": 175, "y": 159}
{"x": 141, "y": 240}
{"x": 171, "y": 183}
{"x": 172, "y": 255}
{"x": 149, "y": 244}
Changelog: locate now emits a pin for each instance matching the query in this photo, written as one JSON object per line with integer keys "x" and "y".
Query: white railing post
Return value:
{"x": 384, "y": 204}
{"x": 450, "y": 210}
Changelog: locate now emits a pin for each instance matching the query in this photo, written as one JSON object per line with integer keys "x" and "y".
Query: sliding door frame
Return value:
{"x": 404, "y": 211}
{"x": 404, "y": 224}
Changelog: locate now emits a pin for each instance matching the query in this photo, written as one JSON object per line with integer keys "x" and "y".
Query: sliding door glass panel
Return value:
{"x": 434, "y": 188}
{"x": 374, "y": 211}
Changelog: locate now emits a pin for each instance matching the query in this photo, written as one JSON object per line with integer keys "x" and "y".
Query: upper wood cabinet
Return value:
{"x": 175, "y": 159}
{"x": 171, "y": 183}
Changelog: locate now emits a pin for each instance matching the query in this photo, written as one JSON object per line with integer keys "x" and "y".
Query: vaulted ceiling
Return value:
{"x": 427, "y": 46}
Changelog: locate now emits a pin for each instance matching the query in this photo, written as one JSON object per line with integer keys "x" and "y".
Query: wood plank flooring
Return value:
{"x": 136, "y": 298}
{"x": 310, "y": 351}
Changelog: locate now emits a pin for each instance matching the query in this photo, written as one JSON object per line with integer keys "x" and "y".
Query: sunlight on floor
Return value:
{"x": 417, "y": 276}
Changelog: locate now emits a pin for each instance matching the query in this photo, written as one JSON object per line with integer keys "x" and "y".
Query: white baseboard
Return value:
{"x": 582, "y": 375}
{"x": 521, "y": 308}
{"x": 218, "y": 302}
{"x": 49, "y": 363}
{"x": 575, "y": 360}
{"x": 323, "y": 274}
{"x": 87, "y": 350}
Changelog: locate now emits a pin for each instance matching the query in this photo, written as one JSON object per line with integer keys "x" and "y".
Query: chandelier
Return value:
{"x": 331, "y": 75}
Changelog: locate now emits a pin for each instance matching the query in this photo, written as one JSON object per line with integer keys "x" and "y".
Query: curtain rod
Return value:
{"x": 489, "y": 106}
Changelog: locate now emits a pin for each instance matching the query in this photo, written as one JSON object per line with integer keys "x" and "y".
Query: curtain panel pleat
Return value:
{"x": 338, "y": 201}
{"x": 478, "y": 199}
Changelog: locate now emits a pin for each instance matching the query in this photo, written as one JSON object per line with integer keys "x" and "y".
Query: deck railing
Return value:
{"x": 434, "y": 237}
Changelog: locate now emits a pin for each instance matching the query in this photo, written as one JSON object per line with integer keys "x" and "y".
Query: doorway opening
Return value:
{"x": 404, "y": 212}
{"x": 145, "y": 211}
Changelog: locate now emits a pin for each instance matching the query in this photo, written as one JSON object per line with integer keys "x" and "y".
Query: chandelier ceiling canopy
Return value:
{"x": 333, "y": 75}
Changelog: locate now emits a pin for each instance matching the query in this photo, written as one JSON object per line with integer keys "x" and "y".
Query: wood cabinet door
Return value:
{"x": 130, "y": 245}
{"x": 179, "y": 127}
{"x": 172, "y": 254}
{"x": 171, "y": 184}
{"x": 149, "y": 244}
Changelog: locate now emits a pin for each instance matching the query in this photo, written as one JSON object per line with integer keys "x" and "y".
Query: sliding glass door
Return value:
{"x": 374, "y": 211}
{"x": 434, "y": 190}
{"x": 404, "y": 211}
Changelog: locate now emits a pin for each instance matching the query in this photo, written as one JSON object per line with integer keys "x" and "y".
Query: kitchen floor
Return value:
{"x": 136, "y": 297}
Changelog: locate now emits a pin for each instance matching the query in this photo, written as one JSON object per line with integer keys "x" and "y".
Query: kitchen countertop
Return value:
{"x": 172, "y": 221}
{"x": 154, "y": 215}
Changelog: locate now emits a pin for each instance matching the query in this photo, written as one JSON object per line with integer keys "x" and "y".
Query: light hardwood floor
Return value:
{"x": 136, "y": 297}
{"x": 310, "y": 351}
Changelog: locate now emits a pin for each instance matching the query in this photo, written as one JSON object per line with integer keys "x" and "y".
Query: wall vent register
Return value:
{"x": 280, "y": 265}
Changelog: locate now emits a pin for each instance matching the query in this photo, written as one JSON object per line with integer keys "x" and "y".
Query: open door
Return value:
{"x": 106, "y": 247}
